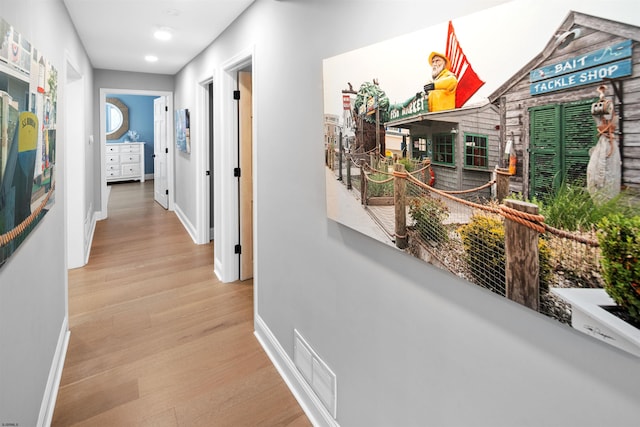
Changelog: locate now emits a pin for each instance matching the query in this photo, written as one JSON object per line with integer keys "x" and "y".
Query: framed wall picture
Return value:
{"x": 505, "y": 161}
{"x": 28, "y": 105}
{"x": 183, "y": 133}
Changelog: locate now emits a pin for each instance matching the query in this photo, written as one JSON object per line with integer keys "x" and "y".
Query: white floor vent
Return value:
{"x": 317, "y": 374}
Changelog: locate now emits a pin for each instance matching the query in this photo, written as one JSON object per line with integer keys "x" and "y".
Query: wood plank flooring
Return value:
{"x": 156, "y": 339}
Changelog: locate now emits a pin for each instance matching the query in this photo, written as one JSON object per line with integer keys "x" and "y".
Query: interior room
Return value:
{"x": 312, "y": 322}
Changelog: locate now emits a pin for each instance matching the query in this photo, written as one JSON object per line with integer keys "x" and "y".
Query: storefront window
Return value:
{"x": 475, "y": 151}
{"x": 443, "y": 151}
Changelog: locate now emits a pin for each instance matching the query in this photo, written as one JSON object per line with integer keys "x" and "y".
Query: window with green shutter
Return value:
{"x": 560, "y": 138}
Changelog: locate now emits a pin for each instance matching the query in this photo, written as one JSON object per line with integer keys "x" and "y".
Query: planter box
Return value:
{"x": 588, "y": 316}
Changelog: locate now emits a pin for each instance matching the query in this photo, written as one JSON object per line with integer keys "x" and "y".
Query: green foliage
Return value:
{"x": 572, "y": 208}
{"x": 429, "y": 215}
{"x": 619, "y": 239}
{"x": 379, "y": 189}
{"x": 483, "y": 242}
{"x": 370, "y": 90}
{"x": 409, "y": 164}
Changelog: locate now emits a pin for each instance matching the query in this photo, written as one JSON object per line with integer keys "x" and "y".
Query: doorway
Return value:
{"x": 79, "y": 225}
{"x": 235, "y": 171}
{"x": 245, "y": 175}
{"x": 168, "y": 96}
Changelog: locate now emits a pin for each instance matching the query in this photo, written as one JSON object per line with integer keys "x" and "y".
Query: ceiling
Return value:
{"x": 118, "y": 34}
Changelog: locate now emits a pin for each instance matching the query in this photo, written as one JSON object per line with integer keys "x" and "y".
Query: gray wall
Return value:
{"x": 411, "y": 345}
{"x": 33, "y": 282}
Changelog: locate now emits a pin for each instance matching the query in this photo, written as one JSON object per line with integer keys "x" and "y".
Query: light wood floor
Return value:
{"x": 156, "y": 339}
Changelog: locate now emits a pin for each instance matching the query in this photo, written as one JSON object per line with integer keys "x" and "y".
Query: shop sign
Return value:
{"x": 346, "y": 102}
{"x": 612, "y": 70}
{"x": 413, "y": 108}
{"x": 584, "y": 69}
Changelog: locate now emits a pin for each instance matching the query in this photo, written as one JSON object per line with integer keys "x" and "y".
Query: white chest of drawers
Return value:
{"x": 125, "y": 161}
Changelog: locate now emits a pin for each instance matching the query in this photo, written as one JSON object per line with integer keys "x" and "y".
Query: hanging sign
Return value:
{"x": 606, "y": 63}
{"x": 346, "y": 102}
{"x": 592, "y": 75}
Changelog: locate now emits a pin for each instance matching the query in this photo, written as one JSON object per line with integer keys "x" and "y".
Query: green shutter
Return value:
{"x": 579, "y": 135}
{"x": 545, "y": 164}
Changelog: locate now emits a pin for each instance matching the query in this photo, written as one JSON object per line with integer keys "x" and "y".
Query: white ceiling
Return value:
{"x": 118, "y": 34}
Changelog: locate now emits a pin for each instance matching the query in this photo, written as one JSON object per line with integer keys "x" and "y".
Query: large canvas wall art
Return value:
{"x": 28, "y": 101}
{"x": 505, "y": 154}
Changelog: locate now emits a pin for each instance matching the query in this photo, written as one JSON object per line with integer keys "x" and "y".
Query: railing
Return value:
{"x": 503, "y": 245}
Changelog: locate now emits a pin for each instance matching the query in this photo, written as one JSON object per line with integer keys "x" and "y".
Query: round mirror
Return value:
{"x": 117, "y": 118}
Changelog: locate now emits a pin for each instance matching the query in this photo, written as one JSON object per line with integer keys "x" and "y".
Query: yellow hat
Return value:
{"x": 447, "y": 64}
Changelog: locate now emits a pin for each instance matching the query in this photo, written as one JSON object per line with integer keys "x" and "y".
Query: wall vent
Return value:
{"x": 317, "y": 374}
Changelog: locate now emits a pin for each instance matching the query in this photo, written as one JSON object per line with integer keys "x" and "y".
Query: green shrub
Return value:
{"x": 379, "y": 189}
{"x": 408, "y": 164}
{"x": 619, "y": 239}
{"x": 572, "y": 208}
{"x": 429, "y": 215}
{"x": 483, "y": 242}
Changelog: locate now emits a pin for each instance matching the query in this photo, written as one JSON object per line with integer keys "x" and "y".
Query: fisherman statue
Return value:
{"x": 604, "y": 168}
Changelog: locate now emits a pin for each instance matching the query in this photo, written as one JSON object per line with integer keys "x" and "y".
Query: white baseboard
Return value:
{"x": 55, "y": 373}
{"x": 89, "y": 237}
{"x": 310, "y": 403}
{"x": 186, "y": 224}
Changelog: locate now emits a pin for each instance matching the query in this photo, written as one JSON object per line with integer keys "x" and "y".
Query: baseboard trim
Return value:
{"x": 191, "y": 230}
{"x": 310, "y": 403}
{"x": 89, "y": 238}
{"x": 55, "y": 373}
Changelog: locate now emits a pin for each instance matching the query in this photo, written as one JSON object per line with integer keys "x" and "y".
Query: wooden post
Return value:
{"x": 363, "y": 185}
{"x": 340, "y": 156}
{"x": 502, "y": 183}
{"x": 348, "y": 171}
{"x": 522, "y": 269}
{"x": 399, "y": 198}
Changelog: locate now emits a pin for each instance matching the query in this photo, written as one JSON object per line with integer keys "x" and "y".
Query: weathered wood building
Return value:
{"x": 545, "y": 108}
{"x": 463, "y": 144}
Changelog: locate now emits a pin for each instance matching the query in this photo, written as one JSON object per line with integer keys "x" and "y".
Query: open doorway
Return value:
{"x": 79, "y": 226}
{"x": 245, "y": 175}
{"x": 235, "y": 171}
{"x": 204, "y": 122}
{"x": 168, "y": 128}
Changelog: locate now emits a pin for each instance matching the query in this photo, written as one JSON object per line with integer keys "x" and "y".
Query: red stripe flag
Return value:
{"x": 468, "y": 80}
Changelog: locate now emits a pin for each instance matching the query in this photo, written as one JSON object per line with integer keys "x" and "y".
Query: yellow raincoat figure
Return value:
{"x": 441, "y": 93}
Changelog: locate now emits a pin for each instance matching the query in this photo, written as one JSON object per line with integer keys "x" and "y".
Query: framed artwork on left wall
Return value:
{"x": 28, "y": 103}
{"x": 183, "y": 133}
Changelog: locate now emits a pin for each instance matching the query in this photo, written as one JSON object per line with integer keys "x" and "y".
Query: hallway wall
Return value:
{"x": 33, "y": 282}
{"x": 411, "y": 345}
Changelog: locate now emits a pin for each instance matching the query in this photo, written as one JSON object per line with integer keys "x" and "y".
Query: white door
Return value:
{"x": 160, "y": 181}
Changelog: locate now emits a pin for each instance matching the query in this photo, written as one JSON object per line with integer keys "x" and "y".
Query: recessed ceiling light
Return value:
{"x": 172, "y": 12}
{"x": 151, "y": 58}
{"x": 163, "y": 33}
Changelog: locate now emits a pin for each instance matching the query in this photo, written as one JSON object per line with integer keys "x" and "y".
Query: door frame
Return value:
{"x": 203, "y": 121}
{"x": 104, "y": 191}
{"x": 226, "y": 186}
{"x": 78, "y": 216}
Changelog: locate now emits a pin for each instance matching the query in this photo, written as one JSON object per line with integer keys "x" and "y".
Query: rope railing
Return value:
{"x": 472, "y": 190}
{"x": 14, "y": 233}
{"x": 572, "y": 236}
{"x": 535, "y": 222}
{"x": 384, "y": 181}
{"x": 373, "y": 170}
